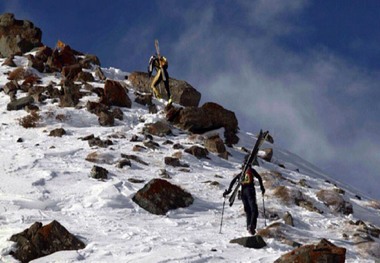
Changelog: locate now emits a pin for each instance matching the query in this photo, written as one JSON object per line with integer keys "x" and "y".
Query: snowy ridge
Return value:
{"x": 46, "y": 178}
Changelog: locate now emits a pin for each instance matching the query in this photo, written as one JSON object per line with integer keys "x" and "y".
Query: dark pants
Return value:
{"x": 248, "y": 196}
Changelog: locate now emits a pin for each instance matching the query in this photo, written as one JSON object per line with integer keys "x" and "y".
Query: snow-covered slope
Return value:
{"x": 46, "y": 178}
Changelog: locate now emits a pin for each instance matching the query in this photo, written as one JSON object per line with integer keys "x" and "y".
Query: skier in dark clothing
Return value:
{"x": 160, "y": 64}
{"x": 248, "y": 196}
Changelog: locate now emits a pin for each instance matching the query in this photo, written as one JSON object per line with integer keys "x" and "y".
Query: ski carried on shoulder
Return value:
{"x": 157, "y": 46}
{"x": 252, "y": 156}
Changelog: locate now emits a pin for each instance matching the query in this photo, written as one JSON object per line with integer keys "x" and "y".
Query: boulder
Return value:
{"x": 159, "y": 196}
{"x": 335, "y": 201}
{"x": 61, "y": 58}
{"x": 71, "y": 95}
{"x": 71, "y": 72}
{"x": 197, "y": 151}
{"x": 215, "y": 144}
{"x": 158, "y": 128}
{"x": 96, "y": 141}
{"x": 59, "y": 132}
{"x": 280, "y": 232}
{"x": 324, "y": 251}
{"x": 89, "y": 61}
{"x": 250, "y": 242}
{"x": 210, "y": 116}
{"x": 11, "y": 87}
{"x": 106, "y": 118}
{"x": 182, "y": 92}
{"x": 175, "y": 162}
{"x": 99, "y": 173}
{"x": 39, "y": 241}
{"x": 116, "y": 95}
{"x": 36, "y": 63}
{"x": 17, "y": 36}
{"x": 20, "y": 103}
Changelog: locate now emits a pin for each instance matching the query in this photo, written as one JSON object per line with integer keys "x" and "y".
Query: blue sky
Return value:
{"x": 308, "y": 71}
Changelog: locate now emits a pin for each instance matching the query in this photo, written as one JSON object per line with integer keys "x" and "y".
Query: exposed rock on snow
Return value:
{"x": 115, "y": 94}
{"x": 197, "y": 151}
{"x": 39, "y": 241}
{"x": 98, "y": 172}
{"x": 210, "y": 116}
{"x": 335, "y": 201}
{"x": 182, "y": 92}
{"x": 17, "y": 36}
{"x": 159, "y": 128}
{"x": 216, "y": 145}
{"x": 250, "y": 242}
{"x": 159, "y": 196}
{"x": 324, "y": 251}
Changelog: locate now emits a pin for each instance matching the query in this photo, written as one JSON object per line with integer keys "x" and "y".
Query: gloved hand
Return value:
{"x": 226, "y": 192}
{"x": 262, "y": 190}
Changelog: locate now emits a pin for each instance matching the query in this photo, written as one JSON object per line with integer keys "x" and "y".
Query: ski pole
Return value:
{"x": 221, "y": 222}
{"x": 265, "y": 218}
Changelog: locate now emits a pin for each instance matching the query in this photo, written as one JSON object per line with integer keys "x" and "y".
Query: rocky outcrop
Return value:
{"x": 335, "y": 201}
{"x": 116, "y": 95}
{"x": 159, "y": 196}
{"x": 39, "y": 241}
{"x": 17, "y": 36}
{"x": 324, "y": 251}
{"x": 210, "y": 116}
{"x": 198, "y": 152}
{"x": 215, "y": 144}
{"x": 159, "y": 128}
{"x": 20, "y": 103}
{"x": 182, "y": 92}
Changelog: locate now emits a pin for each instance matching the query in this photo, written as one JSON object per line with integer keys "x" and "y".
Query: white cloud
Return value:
{"x": 312, "y": 99}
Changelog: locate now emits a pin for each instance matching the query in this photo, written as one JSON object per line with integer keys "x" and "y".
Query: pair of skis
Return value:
{"x": 252, "y": 156}
{"x": 157, "y": 46}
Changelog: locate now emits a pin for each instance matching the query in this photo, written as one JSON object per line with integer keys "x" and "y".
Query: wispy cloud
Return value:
{"x": 313, "y": 99}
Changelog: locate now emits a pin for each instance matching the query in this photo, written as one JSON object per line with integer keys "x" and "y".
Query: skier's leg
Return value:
{"x": 155, "y": 82}
{"x": 254, "y": 209}
{"x": 247, "y": 207}
{"x": 166, "y": 83}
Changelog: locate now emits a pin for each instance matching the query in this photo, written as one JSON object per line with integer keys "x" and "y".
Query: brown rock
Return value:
{"x": 210, "y": 116}
{"x": 71, "y": 72}
{"x": 17, "y": 36}
{"x": 324, "y": 251}
{"x": 39, "y": 241}
{"x": 116, "y": 95}
{"x": 182, "y": 92}
{"x": 159, "y": 196}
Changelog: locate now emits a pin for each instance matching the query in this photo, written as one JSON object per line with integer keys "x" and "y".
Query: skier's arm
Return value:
{"x": 150, "y": 66}
{"x": 226, "y": 192}
{"x": 257, "y": 175}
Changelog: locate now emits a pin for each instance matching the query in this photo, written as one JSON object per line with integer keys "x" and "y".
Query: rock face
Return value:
{"x": 116, "y": 95}
{"x": 182, "y": 92}
{"x": 159, "y": 196}
{"x": 39, "y": 241}
{"x": 210, "y": 116}
{"x": 324, "y": 251}
{"x": 17, "y": 36}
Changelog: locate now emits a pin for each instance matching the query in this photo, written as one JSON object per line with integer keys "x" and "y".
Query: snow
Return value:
{"x": 46, "y": 178}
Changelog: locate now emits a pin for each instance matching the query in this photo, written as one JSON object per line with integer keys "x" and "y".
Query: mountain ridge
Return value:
{"x": 47, "y": 178}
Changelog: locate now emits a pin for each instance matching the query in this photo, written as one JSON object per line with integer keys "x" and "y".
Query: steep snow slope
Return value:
{"x": 46, "y": 178}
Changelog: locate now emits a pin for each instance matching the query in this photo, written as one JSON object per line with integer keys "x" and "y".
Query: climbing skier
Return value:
{"x": 160, "y": 64}
{"x": 248, "y": 196}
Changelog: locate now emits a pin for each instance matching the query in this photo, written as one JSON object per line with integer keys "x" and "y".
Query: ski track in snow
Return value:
{"x": 46, "y": 178}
